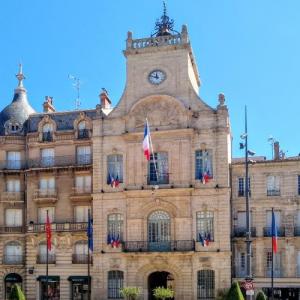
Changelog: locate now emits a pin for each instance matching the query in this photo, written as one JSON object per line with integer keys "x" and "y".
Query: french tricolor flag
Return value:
{"x": 274, "y": 234}
{"x": 146, "y": 141}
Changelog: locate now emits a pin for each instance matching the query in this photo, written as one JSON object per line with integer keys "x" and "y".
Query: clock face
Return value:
{"x": 157, "y": 77}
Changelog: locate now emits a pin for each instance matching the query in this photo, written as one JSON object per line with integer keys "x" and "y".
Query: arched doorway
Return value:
{"x": 159, "y": 279}
{"x": 9, "y": 281}
{"x": 159, "y": 231}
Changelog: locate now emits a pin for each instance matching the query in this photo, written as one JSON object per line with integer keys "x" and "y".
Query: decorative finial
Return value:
{"x": 164, "y": 25}
{"x": 20, "y": 76}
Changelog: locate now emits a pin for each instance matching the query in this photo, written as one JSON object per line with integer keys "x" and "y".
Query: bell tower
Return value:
{"x": 163, "y": 63}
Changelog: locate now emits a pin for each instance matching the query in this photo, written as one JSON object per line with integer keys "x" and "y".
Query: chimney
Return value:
{"x": 105, "y": 101}
{"x": 48, "y": 105}
{"x": 276, "y": 151}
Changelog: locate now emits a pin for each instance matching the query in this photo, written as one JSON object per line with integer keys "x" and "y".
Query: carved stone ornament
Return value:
{"x": 160, "y": 111}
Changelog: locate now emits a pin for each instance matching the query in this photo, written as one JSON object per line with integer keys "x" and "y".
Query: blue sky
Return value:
{"x": 247, "y": 49}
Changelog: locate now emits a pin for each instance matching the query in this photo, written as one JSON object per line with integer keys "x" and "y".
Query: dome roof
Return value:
{"x": 18, "y": 111}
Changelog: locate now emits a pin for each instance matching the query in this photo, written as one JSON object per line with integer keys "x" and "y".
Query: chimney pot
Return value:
{"x": 104, "y": 99}
{"x": 276, "y": 151}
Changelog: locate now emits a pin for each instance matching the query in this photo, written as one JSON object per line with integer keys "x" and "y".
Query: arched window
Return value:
{"x": 10, "y": 280}
{"x": 80, "y": 255}
{"x": 159, "y": 230}
{"x": 114, "y": 229}
{"x": 42, "y": 255}
{"x": 81, "y": 125}
{"x": 206, "y": 284}
{"x": 13, "y": 253}
{"x": 47, "y": 131}
{"x": 115, "y": 283}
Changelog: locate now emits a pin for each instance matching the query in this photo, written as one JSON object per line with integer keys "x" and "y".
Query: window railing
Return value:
{"x": 84, "y": 159}
{"x": 47, "y": 161}
{"x": 240, "y": 272}
{"x": 83, "y": 134}
{"x": 42, "y": 258}
{"x": 81, "y": 190}
{"x": 243, "y": 193}
{"x": 157, "y": 178}
{"x": 164, "y": 246}
{"x": 75, "y": 226}
{"x": 45, "y": 193}
{"x": 297, "y": 231}
{"x": 278, "y": 272}
{"x": 241, "y": 231}
{"x": 268, "y": 231}
{"x": 47, "y": 136}
{"x": 12, "y": 164}
{"x": 12, "y": 196}
{"x": 80, "y": 258}
{"x": 12, "y": 229}
{"x": 274, "y": 192}
{"x": 13, "y": 259}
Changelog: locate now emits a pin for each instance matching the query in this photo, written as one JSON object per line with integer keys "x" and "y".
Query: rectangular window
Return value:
{"x": 268, "y": 229}
{"x": 298, "y": 184}
{"x": 206, "y": 284}
{"x": 241, "y": 264}
{"x": 115, "y": 167}
{"x": 298, "y": 264}
{"x": 277, "y": 264}
{"x": 47, "y": 157}
{"x": 242, "y": 187}
{"x": 83, "y": 183}
{"x": 115, "y": 283}
{"x": 115, "y": 227}
{"x": 14, "y": 160}
{"x": 84, "y": 155}
{"x": 273, "y": 185}
{"x": 13, "y": 185}
{"x": 47, "y": 183}
{"x": 203, "y": 164}
{"x": 81, "y": 213}
{"x": 205, "y": 224}
{"x": 13, "y": 217}
{"x": 42, "y": 214}
{"x": 158, "y": 168}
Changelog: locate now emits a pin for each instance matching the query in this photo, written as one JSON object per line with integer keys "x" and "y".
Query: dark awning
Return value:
{"x": 82, "y": 279}
{"x": 43, "y": 278}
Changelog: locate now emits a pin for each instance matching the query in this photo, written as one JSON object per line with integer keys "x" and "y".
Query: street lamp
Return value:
{"x": 244, "y": 145}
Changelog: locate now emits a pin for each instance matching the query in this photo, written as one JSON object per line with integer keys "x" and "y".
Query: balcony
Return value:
{"x": 12, "y": 165}
{"x": 47, "y": 136}
{"x": 13, "y": 259}
{"x": 297, "y": 231}
{"x": 12, "y": 229}
{"x": 80, "y": 259}
{"x": 60, "y": 161}
{"x": 42, "y": 259}
{"x": 81, "y": 193}
{"x": 241, "y": 231}
{"x": 45, "y": 195}
{"x": 83, "y": 134}
{"x": 168, "y": 246}
{"x": 59, "y": 227}
{"x": 268, "y": 231}
{"x": 273, "y": 192}
{"x": 12, "y": 197}
{"x": 156, "y": 179}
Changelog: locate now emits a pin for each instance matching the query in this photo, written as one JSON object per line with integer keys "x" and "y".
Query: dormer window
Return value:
{"x": 47, "y": 132}
{"x": 12, "y": 127}
{"x": 83, "y": 132}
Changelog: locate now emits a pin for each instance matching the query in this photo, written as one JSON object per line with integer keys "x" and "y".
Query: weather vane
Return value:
{"x": 76, "y": 84}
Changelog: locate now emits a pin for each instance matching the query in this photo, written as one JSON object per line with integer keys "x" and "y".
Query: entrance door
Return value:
{"x": 159, "y": 279}
{"x": 159, "y": 231}
{"x": 10, "y": 280}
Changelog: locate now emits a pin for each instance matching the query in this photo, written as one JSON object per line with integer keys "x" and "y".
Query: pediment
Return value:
{"x": 161, "y": 111}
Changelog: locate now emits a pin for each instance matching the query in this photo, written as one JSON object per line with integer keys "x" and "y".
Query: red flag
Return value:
{"x": 48, "y": 232}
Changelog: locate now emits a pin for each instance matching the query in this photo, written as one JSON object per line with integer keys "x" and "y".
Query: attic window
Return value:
{"x": 13, "y": 127}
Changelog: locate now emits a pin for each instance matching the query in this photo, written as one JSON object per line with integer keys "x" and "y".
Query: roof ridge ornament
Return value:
{"x": 164, "y": 25}
{"x": 20, "y": 76}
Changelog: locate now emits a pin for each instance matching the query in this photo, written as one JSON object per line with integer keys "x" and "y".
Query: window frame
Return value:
{"x": 200, "y": 157}
{"x": 115, "y": 281}
{"x": 115, "y": 166}
{"x": 207, "y": 221}
{"x": 161, "y": 162}
{"x": 115, "y": 227}
{"x": 206, "y": 284}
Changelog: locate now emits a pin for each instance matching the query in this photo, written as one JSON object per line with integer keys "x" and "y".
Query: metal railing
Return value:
{"x": 83, "y": 134}
{"x": 76, "y": 226}
{"x": 297, "y": 231}
{"x": 80, "y": 258}
{"x": 268, "y": 231}
{"x": 273, "y": 192}
{"x": 60, "y": 161}
{"x": 42, "y": 258}
{"x": 159, "y": 178}
{"x": 45, "y": 193}
{"x": 12, "y": 196}
{"x": 47, "y": 136}
{"x": 13, "y": 259}
{"x": 12, "y": 164}
{"x": 165, "y": 246}
{"x": 82, "y": 190}
{"x": 12, "y": 229}
{"x": 278, "y": 272}
{"x": 241, "y": 231}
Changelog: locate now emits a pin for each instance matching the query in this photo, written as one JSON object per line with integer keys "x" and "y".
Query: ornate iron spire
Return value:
{"x": 20, "y": 76}
{"x": 164, "y": 25}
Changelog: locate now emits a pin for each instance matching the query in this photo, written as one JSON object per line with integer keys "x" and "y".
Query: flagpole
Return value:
{"x": 151, "y": 146}
{"x": 47, "y": 258}
{"x": 89, "y": 233}
{"x": 272, "y": 265}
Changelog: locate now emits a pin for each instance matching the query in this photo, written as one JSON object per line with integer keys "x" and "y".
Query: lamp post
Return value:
{"x": 248, "y": 223}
